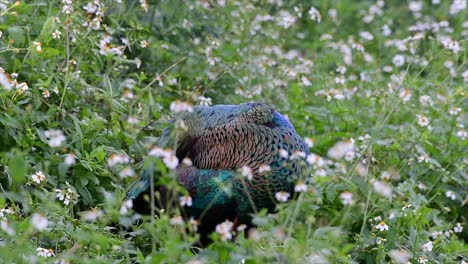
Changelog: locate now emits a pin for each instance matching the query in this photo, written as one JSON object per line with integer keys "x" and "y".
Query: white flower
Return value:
{"x": 321, "y": 172}
{"x": 177, "y": 220}
{"x": 340, "y": 80}
{"x": 297, "y": 154}
{"x": 385, "y": 175}
{"x": 350, "y": 156}
{"x": 144, "y": 5}
{"x": 283, "y": 153}
{"x": 91, "y": 215}
{"x": 448, "y": 233}
{"x": 454, "y": 110}
{"x": 246, "y": 171}
{"x": 282, "y": 196}
{"x": 22, "y": 87}
{"x": 387, "y": 68}
{"x": 312, "y": 158}
{"x": 38, "y": 177}
{"x": 415, "y": 6}
{"x": 309, "y": 142}
{"x": 105, "y": 46}
{"x": 39, "y": 222}
{"x": 115, "y": 159}
{"x": 264, "y": 168}
{"x": 346, "y": 198}
{"x": 70, "y": 159}
{"x": 425, "y": 100}
{"x": 422, "y": 260}
{"x": 66, "y": 196}
{"x": 144, "y": 44}
{"x": 421, "y": 186}
{"x": 366, "y": 35}
{"x": 386, "y": 30}
{"x": 427, "y": 247}
{"x": 4, "y": 211}
{"x": 45, "y": 253}
{"x": 225, "y": 230}
{"x": 398, "y": 60}
{"x": 332, "y": 13}
{"x": 169, "y": 158}
{"x": 462, "y": 134}
{"x": 6, "y": 228}
{"x": 241, "y": 228}
{"x": 451, "y": 44}
{"x": 4, "y": 80}
{"x": 315, "y": 14}
{"x": 406, "y": 206}
{"x": 300, "y": 187}
{"x": 465, "y": 76}
{"x": 382, "y": 226}
{"x": 436, "y": 234}
{"x": 56, "y": 34}
{"x": 173, "y": 81}
{"x": 422, "y": 120}
{"x": 194, "y": 224}
{"x": 38, "y": 46}
{"x": 186, "y": 24}
{"x": 205, "y": 101}
{"x": 285, "y": 19}
{"x": 341, "y": 69}
{"x": 185, "y": 200}
{"x": 194, "y": 261}
{"x": 60, "y": 194}
{"x": 171, "y": 161}
{"x": 187, "y": 161}
{"x": 132, "y": 120}
{"x": 379, "y": 240}
{"x": 458, "y": 228}
{"x": 457, "y": 6}
{"x": 90, "y": 8}
{"x": 383, "y": 189}
{"x": 157, "y": 152}
{"x": 126, "y": 206}
{"x": 55, "y": 137}
{"x": 178, "y": 106}
{"x": 400, "y": 256}
{"x": 405, "y": 95}
{"x": 126, "y": 172}
{"x": 450, "y": 194}
{"x": 305, "y": 81}
{"x": 423, "y": 158}
{"x": 340, "y": 149}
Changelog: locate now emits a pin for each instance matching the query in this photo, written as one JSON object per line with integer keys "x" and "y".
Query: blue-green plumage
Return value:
{"x": 222, "y": 139}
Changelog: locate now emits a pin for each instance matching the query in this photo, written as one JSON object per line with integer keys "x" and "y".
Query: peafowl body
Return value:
{"x": 222, "y": 139}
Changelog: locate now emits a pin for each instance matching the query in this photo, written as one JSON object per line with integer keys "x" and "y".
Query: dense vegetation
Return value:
{"x": 379, "y": 89}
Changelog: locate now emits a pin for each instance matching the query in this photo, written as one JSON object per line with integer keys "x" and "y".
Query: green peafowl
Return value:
{"x": 221, "y": 141}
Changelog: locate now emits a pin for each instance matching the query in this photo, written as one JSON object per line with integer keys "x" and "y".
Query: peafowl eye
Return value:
{"x": 221, "y": 140}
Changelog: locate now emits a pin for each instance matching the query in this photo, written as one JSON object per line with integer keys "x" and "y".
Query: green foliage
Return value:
{"x": 86, "y": 89}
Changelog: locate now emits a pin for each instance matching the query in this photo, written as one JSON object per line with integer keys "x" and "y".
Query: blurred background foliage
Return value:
{"x": 104, "y": 73}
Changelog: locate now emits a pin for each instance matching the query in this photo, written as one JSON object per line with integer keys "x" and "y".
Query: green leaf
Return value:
{"x": 99, "y": 154}
{"x": 84, "y": 193}
{"x": 18, "y": 168}
{"x": 17, "y": 34}
{"x": 49, "y": 52}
